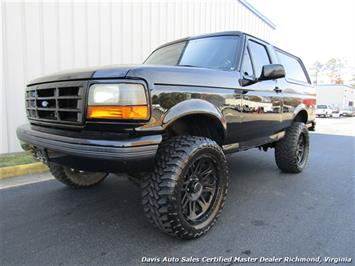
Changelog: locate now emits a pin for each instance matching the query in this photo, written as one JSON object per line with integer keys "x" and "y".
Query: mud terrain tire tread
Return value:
{"x": 157, "y": 189}
{"x": 59, "y": 173}
{"x": 285, "y": 149}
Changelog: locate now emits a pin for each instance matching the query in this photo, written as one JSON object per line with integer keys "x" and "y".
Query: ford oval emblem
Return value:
{"x": 44, "y": 104}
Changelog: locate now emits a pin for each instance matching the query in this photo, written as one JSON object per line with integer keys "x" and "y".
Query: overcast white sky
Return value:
{"x": 313, "y": 29}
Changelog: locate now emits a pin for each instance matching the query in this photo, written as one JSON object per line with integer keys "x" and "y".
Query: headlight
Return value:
{"x": 118, "y": 101}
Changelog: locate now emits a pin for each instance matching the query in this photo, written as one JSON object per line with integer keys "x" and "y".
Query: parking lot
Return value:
{"x": 267, "y": 213}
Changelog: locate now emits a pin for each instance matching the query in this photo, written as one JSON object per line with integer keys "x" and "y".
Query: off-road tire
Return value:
{"x": 160, "y": 190}
{"x": 74, "y": 178}
{"x": 286, "y": 149}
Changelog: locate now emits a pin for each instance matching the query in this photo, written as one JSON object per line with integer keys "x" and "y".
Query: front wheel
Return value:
{"x": 291, "y": 152}
{"x": 76, "y": 178}
{"x": 185, "y": 194}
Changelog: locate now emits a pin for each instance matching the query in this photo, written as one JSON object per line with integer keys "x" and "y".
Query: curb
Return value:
{"x": 23, "y": 169}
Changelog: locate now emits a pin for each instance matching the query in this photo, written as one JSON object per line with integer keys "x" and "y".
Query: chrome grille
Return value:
{"x": 59, "y": 103}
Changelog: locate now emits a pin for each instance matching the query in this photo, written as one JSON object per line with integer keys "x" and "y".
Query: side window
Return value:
{"x": 247, "y": 68}
{"x": 293, "y": 68}
{"x": 259, "y": 56}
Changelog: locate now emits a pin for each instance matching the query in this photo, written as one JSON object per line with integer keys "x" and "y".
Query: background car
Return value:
{"x": 324, "y": 110}
{"x": 347, "y": 112}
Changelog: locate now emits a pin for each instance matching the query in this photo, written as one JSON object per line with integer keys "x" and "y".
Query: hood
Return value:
{"x": 112, "y": 71}
{"x": 186, "y": 76}
{"x": 152, "y": 74}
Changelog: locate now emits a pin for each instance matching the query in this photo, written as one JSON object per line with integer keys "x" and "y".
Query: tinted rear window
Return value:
{"x": 213, "y": 52}
{"x": 293, "y": 68}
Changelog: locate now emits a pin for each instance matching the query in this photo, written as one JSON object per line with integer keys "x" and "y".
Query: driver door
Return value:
{"x": 262, "y": 101}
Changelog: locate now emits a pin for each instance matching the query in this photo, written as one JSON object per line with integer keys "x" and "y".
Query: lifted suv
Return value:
{"x": 170, "y": 122}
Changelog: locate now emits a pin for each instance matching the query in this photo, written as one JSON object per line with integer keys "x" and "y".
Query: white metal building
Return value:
{"x": 39, "y": 38}
{"x": 339, "y": 96}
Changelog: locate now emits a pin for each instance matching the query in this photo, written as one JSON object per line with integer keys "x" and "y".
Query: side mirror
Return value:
{"x": 272, "y": 71}
{"x": 268, "y": 72}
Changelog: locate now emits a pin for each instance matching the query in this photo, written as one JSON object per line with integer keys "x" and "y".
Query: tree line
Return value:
{"x": 333, "y": 69}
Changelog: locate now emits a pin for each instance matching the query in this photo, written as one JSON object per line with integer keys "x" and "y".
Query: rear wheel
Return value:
{"x": 291, "y": 152}
{"x": 186, "y": 192}
{"x": 76, "y": 178}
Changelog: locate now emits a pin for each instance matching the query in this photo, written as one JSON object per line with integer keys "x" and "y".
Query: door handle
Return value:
{"x": 277, "y": 89}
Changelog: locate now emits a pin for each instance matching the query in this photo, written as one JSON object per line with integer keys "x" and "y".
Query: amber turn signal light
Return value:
{"x": 137, "y": 112}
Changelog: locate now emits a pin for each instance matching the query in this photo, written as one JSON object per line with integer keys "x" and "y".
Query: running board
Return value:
{"x": 245, "y": 145}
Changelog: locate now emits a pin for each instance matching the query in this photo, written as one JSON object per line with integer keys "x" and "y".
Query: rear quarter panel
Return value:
{"x": 297, "y": 97}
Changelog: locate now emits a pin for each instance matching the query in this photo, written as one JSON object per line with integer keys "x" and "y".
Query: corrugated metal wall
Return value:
{"x": 44, "y": 37}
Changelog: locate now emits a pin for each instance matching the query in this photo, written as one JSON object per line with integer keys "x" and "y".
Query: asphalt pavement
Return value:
{"x": 267, "y": 213}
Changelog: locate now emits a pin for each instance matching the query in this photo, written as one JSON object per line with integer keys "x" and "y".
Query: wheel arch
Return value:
{"x": 300, "y": 114}
{"x": 196, "y": 117}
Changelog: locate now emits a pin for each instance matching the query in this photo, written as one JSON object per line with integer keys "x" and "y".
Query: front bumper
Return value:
{"x": 136, "y": 153}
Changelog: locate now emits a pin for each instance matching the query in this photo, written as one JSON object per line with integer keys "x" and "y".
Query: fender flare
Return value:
{"x": 191, "y": 107}
{"x": 301, "y": 107}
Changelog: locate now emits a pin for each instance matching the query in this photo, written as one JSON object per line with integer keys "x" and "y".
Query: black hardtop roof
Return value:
{"x": 214, "y": 34}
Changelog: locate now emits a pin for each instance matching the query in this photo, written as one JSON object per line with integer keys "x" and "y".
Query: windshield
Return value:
{"x": 213, "y": 52}
{"x": 321, "y": 107}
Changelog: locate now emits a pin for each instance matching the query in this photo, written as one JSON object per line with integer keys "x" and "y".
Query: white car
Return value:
{"x": 347, "y": 112}
{"x": 324, "y": 110}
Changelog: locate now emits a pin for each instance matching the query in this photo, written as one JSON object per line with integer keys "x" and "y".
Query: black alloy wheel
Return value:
{"x": 301, "y": 149}
{"x": 199, "y": 189}
{"x": 185, "y": 194}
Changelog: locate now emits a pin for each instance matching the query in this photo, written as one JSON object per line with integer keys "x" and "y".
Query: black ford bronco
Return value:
{"x": 169, "y": 122}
